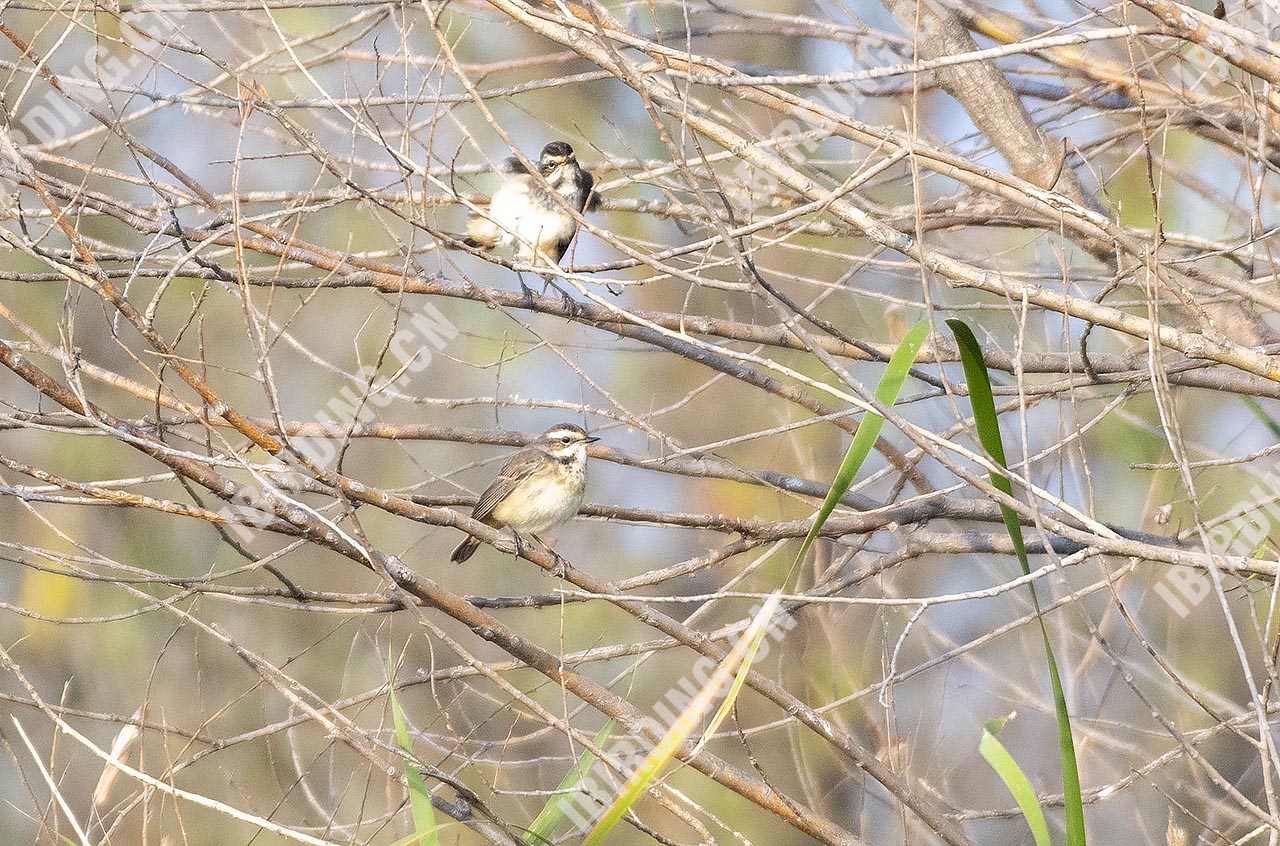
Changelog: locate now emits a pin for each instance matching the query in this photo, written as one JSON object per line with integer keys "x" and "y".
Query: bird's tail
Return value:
{"x": 464, "y": 550}
{"x": 482, "y": 234}
{"x": 477, "y": 238}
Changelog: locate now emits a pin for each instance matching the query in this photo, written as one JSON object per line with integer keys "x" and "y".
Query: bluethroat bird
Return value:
{"x": 526, "y": 212}
{"x": 539, "y": 487}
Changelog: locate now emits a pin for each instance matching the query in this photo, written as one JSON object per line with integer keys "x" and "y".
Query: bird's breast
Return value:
{"x": 543, "y": 501}
{"x": 527, "y": 214}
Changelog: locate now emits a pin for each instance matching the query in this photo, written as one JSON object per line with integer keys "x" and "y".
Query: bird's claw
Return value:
{"x": 560, "y": 569}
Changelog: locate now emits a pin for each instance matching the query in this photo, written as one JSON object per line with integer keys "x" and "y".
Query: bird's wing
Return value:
{"x": 591, "y": 200}
{"x": 513, "y": 165}
{"x": 517, "y": 468}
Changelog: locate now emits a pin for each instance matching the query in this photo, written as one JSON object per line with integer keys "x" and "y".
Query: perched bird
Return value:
{"x": 524, "y": 210}
{"x": 540, "y": 487}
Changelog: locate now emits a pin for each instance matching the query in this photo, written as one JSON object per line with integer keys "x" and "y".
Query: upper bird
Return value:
{"x": 526, "y": 211}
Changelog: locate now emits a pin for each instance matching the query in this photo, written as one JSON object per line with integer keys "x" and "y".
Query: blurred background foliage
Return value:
{"x": 361, "y": 128}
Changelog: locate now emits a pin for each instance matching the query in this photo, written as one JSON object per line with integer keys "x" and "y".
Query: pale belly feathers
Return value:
{"x": 522, "y": 220}
{"x": 542, "y": 504}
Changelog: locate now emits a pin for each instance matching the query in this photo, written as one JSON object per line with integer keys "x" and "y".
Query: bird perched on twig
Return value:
{"x": 526, "y": 211}
{"x": 538, "y": 488}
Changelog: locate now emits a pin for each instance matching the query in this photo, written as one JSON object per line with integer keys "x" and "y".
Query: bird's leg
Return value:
{"x": 520, "y": 546}
{"x": 526, "y": 290}
{"x": 560, "y": 569}
{"x": 549, "y": 280}
{"x": 570, "y": 304}
{"x": 548, "y": 259}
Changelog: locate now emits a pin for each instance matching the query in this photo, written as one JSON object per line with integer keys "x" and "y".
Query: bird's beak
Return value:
{"x": 592, "y": 440}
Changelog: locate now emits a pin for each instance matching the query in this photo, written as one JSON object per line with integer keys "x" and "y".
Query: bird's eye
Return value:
{"x": 566, "y": 439}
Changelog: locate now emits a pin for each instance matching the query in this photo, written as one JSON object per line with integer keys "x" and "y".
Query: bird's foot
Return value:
{"x": 526, "y": 291}
{"x": 559, "y": 566}
{"x": 571, "y": 306}
{"x": 559, "y": 569}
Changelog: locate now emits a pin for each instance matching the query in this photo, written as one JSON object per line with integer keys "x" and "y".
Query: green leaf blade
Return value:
{"x": 555, "y": 810}
{"x": 987, "y": 422}
{"x": 733, "y": 668}
{"x": 426, "y": 829}
{"x": 1015, "y": 780}
{"x": 895, "y": 374}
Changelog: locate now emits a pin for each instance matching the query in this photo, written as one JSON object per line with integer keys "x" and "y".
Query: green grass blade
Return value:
{"x": 1014, "y": 779}
{"x": 426, "y": 830}
{"x": 869, "y": 430}
{"x": 733, "y": 668}
{"x": 988, "y": 425}
{"x": 754, "y": 635}
{"x": 1258, "y": 411}
{"x": 553, "y": 812}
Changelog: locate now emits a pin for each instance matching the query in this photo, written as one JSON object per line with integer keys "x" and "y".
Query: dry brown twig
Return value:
{"x": 233, "y": 326}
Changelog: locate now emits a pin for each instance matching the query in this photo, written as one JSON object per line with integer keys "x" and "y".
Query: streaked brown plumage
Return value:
{"x": 538, "y": 488}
